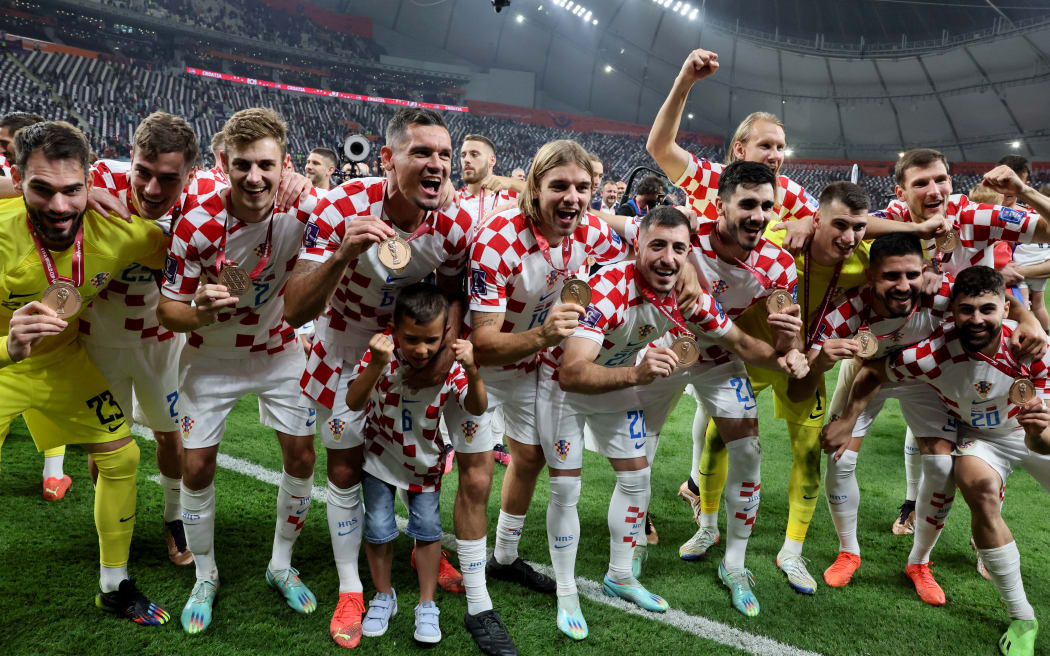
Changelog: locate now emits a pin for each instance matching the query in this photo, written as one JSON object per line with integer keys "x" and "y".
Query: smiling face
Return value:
{"x": 255, "y": 172}
{"x": 747, "y": 213}
{"x": 157, "y": 184}
{"x": 926, "y": 189}
{"x": 476, "y": 160}
{"x": 609, "y": 194}
{"x": 896, "y": 283}
{"x": 420, "y": 164}
{"x": 419, "y": 342}
{"x": 55, "y": 193}
{"x": 765, "y": 145}
{"x": 565, "y": 192}
{"x": 979, "y": 319}
{"x": 661, "y": 254}
{"x": 839, "y": 229}
{"x": 318, "y": 170}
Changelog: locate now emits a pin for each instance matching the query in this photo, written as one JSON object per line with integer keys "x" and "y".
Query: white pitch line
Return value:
{"x": 701, "y": 627}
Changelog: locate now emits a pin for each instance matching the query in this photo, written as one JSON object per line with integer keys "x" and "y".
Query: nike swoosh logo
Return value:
{"x": 545, "y": 297}
{"x": 341, "y": 534}
{"x": 562, "y": 546}
{"x": 816, "y": 416}
{"x": 125, "y": 519}
{"x": 805, "y": 497}
{"x": 51, "y": 490}
{"x": 410, "y": 400}
{"x": 706, "y": 474}
{"x": 310, "y": 422}
{"x": 749, "y": 509}
{"x": 14, "y": 295}
{"x": 638, "y": 446}
{"x": 391, "y": 279}
{"x": 114, "y": 429}
{"x": 301, "y": 511}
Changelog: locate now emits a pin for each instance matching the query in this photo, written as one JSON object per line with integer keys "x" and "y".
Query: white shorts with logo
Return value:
{"x": 512, "y": 395}
{"x": 145, "y": 378}
{"x": 724, "y": 391}
{"x": 341, "y": 427}
{"x": 212, "y": 386}
{"x": 923, "y": 411}
{"x": 1003, "y": 453}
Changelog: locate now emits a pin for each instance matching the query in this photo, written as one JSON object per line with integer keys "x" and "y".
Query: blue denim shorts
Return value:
{"x": 424, "y": 512}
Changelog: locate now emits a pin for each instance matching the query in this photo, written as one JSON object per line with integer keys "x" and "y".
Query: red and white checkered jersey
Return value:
{"x": 363, "y": 301}
{"x": 220, "y": 175}
{"x": 128, "y": 304}
{"x": 700, "y": 181}
{"x": 5, "y": 166}
{"x": 509, "y": 274}
{"x": 980, "y": 226}
{"x": 480, "y": 206}
{"x": 623, "y": 321}
{"x": 844, "y": 320}
{"x": 257, "y": 324}
{"x": 403, "y": 445}
{"x": 973, "y": 390}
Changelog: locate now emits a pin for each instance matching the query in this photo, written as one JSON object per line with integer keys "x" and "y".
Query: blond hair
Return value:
{"x": 161, "y": 133}
{"x": 250, "y": 125}
{"x": 550, "y": 156}
{"x": 743, "y": 131}
{"x": 985, "y": 195}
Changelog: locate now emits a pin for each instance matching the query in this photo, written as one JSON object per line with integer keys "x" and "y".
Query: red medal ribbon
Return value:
{"x": 50, "y": 269}
{"x": 220, "y": 259}
{"x": 545, "y": 249}
{"x": 811, "y": 332}
{"x": 762, "y": 278}
{"x": 867, "y": 315}
{"x": 675, "y": 315}
{"x": 1013, "y": 369}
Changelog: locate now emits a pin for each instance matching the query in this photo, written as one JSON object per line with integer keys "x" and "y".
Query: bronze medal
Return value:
{"x": 687, "y": 351}
{"x": 576, "y": 291}
{"x": 778, "y": 300}
{"x": 1022, "y": 391}
{"x": 62, "y": 297}
{"x": 948, "y": 242}
{"x": 869, "y": 344}
{"x": 395, "y": 254}
{"x": 235, "y": 279}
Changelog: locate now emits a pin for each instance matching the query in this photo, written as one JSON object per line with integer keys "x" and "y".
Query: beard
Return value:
{"x": 887, "y": 302}
{"x": 476, "y": 176}
{"x": 973, "y": 343}
{"x": 50, "y": 234}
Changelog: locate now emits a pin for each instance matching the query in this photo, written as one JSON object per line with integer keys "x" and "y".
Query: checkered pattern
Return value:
{"x": 509, "y": 274}
{"x": 980, "y": 226}
{"x": 844, "y": 320}
{"x": 941, "y": 361}
{"x": 5, "y": 166}
{"x": 257, "y": 324}
{"x": 481, "y": 205}
{"x": 220, "y": 175}
{"x": 129, "y": 303}
{"x": 403, "y": 445}
{"x": 624, "y": 322}
{"x": 700, "y": 181}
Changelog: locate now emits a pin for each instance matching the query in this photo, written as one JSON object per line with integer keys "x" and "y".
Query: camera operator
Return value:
{"x": 649, "y": 192}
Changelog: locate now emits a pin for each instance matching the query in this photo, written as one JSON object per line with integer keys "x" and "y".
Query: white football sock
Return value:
{"x": 700, "y": 420}
{"x": 1004, "y": 566}
{"x": 53, "y": 469}
{"x": 172, "y": 488}
{"x": 840, "y": 486}
{"x": 293, "y": 501}
{"x": 626, "y": 516}
{"x": 709, "y": 520}
{"x": 936, "y": 493}
{"x": 563, "y": 531}
{"x": 912, "y": 467}
{"x": 743, "y": 493}
{"x": 109, "y": 578}
{"x": 198, "y": 520}
{"x": 346, "y": 523}
{"x": 508, "y": 535}
{"x": 472, "y": 566}
{"x": 791, "y": 547}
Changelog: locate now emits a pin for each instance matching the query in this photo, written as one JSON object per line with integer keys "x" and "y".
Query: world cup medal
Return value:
{"x": 395, "y": 253}
{"x": 1022, "y": 391}
{"x": 687, "y": 351}
{"x": 235, "y": 279}
{"x": 62, "y": 297}
{"x": 947, "y": 242}
{"x": 576, "y": 291}
{"x": 778, "y": 300}
{"x": 869, "y": 345}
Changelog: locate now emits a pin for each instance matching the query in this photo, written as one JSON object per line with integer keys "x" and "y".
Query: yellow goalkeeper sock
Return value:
{"x": 714, "y": 467}
{"x": 115, "y": 499}
{"x": 804, "y": 485}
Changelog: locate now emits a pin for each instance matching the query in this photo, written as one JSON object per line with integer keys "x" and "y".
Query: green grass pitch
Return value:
{"x": 49, "y": 555}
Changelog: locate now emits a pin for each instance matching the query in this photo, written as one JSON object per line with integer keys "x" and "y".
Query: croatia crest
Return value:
{"x": 470, "y": 429}
{"x": 982, "y": 387}
{"x": 552, "y": 278}
{"x": 562, "y": 448}
{"x": 187, "y": 426}
{"x": 718, "y": 287}
{"x": 337, "y": 426}
{"x": 645, "y": 331}
{"x": 99, "y": 280}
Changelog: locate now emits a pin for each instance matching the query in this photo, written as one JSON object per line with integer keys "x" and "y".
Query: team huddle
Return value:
{"x": 445, "y": 323}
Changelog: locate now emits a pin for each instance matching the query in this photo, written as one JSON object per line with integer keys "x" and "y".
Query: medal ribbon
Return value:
{"x": 545, "y": 249}
{"x": 811, "y": 331}
{"x": 220, "y": 259}
{"x": 675, "y": 315}
{"x": 1013, "y": 368}
{"x": 762, "y": 278}
{"x": 50, "y": 269}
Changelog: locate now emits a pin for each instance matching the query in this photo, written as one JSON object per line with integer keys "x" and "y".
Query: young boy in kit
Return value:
{"x": 403, "y": 446}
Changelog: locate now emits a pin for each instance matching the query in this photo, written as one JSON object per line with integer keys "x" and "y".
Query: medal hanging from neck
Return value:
{"x": 1022, "y": 390}
{"x": 236, "y": 280}
{"x": 684, "y": 347}
{"x": 811, "y": 331}
{"x": 395, "y": 252}
{"x": 778, "y": 298}
{"x": 869, "y": 341}
{"x": 62, "y": 294}
{"x": 574, "y": 290}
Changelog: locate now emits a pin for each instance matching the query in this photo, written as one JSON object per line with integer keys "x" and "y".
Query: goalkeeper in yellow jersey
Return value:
{"x": 55, "y": 257}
